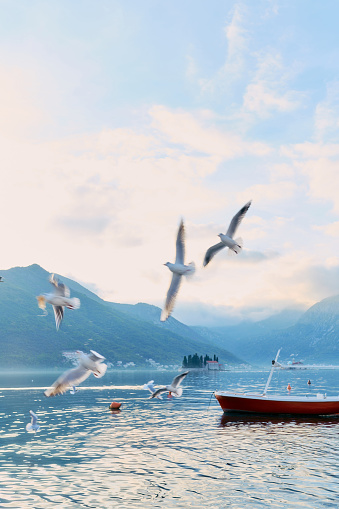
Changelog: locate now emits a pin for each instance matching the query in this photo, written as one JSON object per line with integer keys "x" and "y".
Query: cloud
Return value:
{"x": 109, "y": 203}
{"x": 83, "y": 225}
{"x": 271, "y": 9}
{"x": 118, "y": 211}
{"x": 331, "y": 229}
{"x": 282, "y": 172}
{"x": 323, "y": 180}
{"x": 237, "y": 38}
{"x": 183, "y": 128}
{"x": 268, "y": 193}
{"x": 326, "y": 117}
{"x": 310, "y": 150}
{"x": 267, "y": 91}
{"x": 206, "y": 315}
{"x": 253, "y": 257}
{"x": 262, "y": 98}
{"x": 320, "y": 281}
{"x": 20, "y": 109}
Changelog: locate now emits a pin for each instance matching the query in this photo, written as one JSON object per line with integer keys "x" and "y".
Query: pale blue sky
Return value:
{"x": 121, "y": 117}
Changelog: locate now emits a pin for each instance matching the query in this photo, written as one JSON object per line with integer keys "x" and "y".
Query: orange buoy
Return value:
{"x": 114, "y": 405}
{"x": 289, "y": 387}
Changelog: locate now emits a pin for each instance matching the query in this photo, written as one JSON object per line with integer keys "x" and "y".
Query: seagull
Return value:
{"x": 234, "y": 245}
{"x": 179, "y": 269}
{"x": 33, "y": 426}
{"x": 149, "y": 386}
{"x": 59, "y": 299}
{"x": 172, "y": 389}
{"x": 73, "y": 390}
{"x": 88, "y": 363}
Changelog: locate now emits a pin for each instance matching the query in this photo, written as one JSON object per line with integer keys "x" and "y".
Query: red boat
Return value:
{"x": 263, "y": 404}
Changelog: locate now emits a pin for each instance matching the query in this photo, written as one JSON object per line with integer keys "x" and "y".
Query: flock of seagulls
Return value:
{"x": 60, "y": 298}
{"x": 179, "y": 269}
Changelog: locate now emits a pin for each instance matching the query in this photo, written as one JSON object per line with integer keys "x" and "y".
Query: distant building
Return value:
{"x": 212, "y": 365}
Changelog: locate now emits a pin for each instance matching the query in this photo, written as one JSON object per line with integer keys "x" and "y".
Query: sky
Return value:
{"x": 119, "y": 118}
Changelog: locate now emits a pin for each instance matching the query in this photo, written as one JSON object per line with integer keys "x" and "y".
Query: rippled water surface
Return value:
{"x": 179, "y": 452}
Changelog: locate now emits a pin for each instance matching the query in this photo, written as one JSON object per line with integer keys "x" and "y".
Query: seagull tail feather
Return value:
{"x": 164, "y": 315}
{"x": 100, "y": 370}
{"x": 191, "y": 270}
{"x": 237, "y": 248}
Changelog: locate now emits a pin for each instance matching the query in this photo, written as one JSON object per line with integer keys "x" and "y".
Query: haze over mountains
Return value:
{"x": 28, "y": 338}
{"x": 125, "y": 332}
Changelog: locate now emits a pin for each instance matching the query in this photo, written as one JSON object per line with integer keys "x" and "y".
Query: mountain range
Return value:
{"x": 311, "y": 336}
{"x": 119, "y": 332}
{"x": 134, "y": 333}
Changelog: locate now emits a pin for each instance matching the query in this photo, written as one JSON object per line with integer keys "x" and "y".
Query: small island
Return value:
{"x": 202, "y": 362}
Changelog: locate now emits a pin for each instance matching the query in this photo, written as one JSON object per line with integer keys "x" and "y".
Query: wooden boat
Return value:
{"x": 263, "y": 404}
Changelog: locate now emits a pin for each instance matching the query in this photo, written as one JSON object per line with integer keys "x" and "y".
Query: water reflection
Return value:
{"x": 228, "y": 419}
{"x": 179, "y": 452}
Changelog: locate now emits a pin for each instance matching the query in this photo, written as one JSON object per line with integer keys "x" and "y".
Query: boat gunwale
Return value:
{"x": 261, "y": 397}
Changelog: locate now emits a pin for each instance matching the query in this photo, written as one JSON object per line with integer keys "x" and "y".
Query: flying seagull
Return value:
{"x": 172, "y": 389}
{"x": 234, "y": 245}
{"x": 33, "y": 426}
{"x": 149, "y": 386}
{"x": 179, "y": 269}
{"x": 59, "y": 298}
{"x": 88, "y": 363}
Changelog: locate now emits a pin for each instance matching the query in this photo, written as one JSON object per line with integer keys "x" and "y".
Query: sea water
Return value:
{"x": 175, "y": 452}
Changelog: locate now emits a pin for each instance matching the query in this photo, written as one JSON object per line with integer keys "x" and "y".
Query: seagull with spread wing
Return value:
{"x": 178, "y": 269}
{"x": 88, "y": 363}
{"x": 33, "y": 426}
{"x": 59, "y": 298}
{"x": 234, "y": 245}
{"x": 173, "y": 389}
{"x": 150, "y": 387}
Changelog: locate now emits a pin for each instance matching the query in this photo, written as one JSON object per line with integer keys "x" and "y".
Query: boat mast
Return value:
{"x": 271, "y": 372}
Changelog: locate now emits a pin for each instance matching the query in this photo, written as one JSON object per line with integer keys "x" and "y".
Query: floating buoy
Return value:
{"x": 289, "y": 387}
{"x": 114, "y": 405}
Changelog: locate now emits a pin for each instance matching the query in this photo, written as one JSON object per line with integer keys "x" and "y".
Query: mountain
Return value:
{"x": 151, "y": 314}
{"x": 29, "y": 338}
{"x": 315, "y": 336}
{"x": 311, "y": 336}
{"x": 248, "y": 337}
